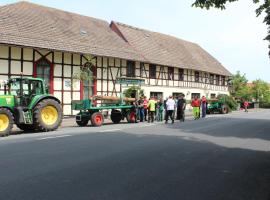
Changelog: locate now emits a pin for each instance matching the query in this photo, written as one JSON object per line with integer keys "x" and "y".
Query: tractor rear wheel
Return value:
{"x": 6, "y": 121}
{"x": 26, "y": 127}
{"x": 97, "y": 119}
{"x": 116, "y": 116}
{"x": 47, "y": 115}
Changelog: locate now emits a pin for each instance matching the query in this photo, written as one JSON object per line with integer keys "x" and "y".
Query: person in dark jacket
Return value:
{"x": 181, "y": 106}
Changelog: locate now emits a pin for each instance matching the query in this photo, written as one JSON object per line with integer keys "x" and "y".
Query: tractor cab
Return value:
{"x": 24, "y": 90}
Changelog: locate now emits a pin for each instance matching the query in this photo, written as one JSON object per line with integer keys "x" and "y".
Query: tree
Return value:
{"x": 264, "y": 7}
{"x": 261, "y": 91}
{"x": 129, "y": 92}
{"x": 240, "y": 88}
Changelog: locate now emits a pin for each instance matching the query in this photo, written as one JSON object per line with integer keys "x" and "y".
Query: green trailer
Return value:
{"x": 217, "y": 106}
{"x": 121, "y": 108}
{"x": 27, "y": 104}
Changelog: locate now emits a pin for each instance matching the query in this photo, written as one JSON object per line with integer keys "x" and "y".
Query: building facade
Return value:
{"x": 64, "y": 43}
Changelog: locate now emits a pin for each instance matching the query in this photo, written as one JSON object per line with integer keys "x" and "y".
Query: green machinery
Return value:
{"x": 120, "y": 107}
{"x": 217, "y": 106}
{"x": 27, "y": 104}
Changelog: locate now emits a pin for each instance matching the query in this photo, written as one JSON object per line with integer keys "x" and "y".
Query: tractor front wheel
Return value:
{"x": 97, "y": 119}
{"x": 47, "y": 115}
{"x": 6, "y": 121}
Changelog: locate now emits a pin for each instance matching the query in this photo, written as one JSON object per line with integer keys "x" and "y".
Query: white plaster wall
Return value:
{"x": 15, "y": 53}
{"x": 57, "y": 83}
{"x": 167, "y": 91}
{"x": 67, "y": 58}
{"x": 28, "y": 54}
{"x": 76, "y": 59}
{"x": 58, "y": 57}
{"x": 15, "y": 67}
{"x": 67, "y": 70}
{"x": 3, "y": 66}
{"x": 3, "y": 51}
{"x": 67, "y": 97}
{"x": 27, "y": 68}
{"x": 57, "y": 70}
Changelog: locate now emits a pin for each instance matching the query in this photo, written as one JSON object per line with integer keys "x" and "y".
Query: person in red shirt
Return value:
{"x": 246, "y": 104}
{"x": 196, "y": 103}
{"x": 145, "y": 108}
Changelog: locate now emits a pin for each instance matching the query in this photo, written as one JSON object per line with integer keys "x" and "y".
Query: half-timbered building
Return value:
{"x": 54, "y": 45}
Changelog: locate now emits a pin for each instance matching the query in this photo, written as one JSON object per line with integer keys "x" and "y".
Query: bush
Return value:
{"x": 264, "y": 104}
{"x": 130, "y": 91}
{"x": 229, "y": 101}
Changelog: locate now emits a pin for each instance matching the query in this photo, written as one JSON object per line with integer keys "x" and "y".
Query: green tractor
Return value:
{"x": 217, "y": 106}
{"x": 27, "y": 104}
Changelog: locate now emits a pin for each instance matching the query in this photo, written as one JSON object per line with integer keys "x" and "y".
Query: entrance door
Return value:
{"x": 43, "y": 69}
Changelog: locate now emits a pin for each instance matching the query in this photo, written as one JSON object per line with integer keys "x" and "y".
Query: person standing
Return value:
{"x": 145, "y": 107}
{"x": 160, "y": 110}
{"x": 246, "y": 104}
{"x": 181, "y": 106}
{"x": 204, "y": 107}
{"x": 151, "y": 110}
{"x": 141, "y": 109}
{"x": 196, "y": 107}
{"x": 170, "y": 105}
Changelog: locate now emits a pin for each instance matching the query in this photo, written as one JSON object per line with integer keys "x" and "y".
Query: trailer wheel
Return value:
{"x": 131, "y": 117}
{"x": 116, "y": 116}
{"x": 83, "y": 122}
{"x": 26, "y": 127}
{"x": 97, "y": 119}
{"x": 224, "y": 109}
{"x": 6, "y": 121}
{"x": 47, "y": 115}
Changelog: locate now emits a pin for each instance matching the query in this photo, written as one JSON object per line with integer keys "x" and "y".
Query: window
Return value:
{"x": 130, "y": 68}
{"x": 206, "y": 78}
{"x": 177, "y": 94}
{"x": 181, "y": 74}
{"x": 211, "y": 79}
{"x": 152, "y": 71}
{"x": 213, "y": 96}
{"x": 193, "y": 95}
{"x": 197, "y": 77}
{"x": 217, "y": 79}
{"x": 156, "y": 95}
{"x": 223, "y": 80}
{"x": 170, "y": 73}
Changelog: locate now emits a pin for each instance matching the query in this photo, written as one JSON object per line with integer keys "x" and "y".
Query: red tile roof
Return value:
{"x": 167, "y": 50}
{"x": 32, "y": 25}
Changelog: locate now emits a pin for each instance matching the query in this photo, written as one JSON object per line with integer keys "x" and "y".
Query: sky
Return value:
{"x": 233, "y": 36}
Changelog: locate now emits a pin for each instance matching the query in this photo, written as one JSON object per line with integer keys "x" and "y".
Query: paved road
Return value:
{"x": 222, "y": 157}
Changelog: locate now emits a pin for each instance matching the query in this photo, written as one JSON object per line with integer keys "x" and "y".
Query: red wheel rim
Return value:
{"x": 98, "y": 119}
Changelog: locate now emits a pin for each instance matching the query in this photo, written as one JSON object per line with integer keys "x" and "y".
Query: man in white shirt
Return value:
{"x": 170, "y": 104}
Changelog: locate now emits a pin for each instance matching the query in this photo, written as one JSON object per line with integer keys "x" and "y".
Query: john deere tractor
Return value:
{"x": 27, "y": 104}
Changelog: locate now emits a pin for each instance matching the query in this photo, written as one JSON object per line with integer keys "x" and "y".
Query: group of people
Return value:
{"x": 199, "y": 105}
{"x": 154, "y": 109}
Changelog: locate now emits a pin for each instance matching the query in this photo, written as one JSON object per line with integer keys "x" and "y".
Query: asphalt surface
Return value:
{"x": 221, "y": 157}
